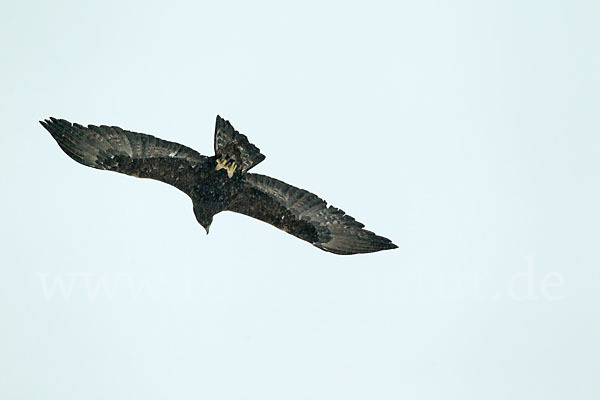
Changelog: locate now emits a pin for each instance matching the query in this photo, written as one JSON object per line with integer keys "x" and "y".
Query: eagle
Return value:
{"x": 218, "y": 183}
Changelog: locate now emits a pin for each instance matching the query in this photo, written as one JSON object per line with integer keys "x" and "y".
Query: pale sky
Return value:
{"x": 465, "y": 131}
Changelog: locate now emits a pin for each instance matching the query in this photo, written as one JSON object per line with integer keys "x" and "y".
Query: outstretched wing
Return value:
{"x": 233, "y": 146}
{"x": 305, "y": 216}
{"x": 114, "y": 149}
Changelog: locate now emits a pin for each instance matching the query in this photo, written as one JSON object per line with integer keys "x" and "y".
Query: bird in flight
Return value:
{"x": 218, "y": 183}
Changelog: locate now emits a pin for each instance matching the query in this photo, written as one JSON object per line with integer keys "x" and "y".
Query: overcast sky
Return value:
{"x": 465, "y": 131}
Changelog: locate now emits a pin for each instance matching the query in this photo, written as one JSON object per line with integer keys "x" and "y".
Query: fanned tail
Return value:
{"x": 233, "y": 148}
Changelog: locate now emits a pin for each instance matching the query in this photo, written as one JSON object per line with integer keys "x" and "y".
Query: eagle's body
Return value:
{"x": 218, "y": 183}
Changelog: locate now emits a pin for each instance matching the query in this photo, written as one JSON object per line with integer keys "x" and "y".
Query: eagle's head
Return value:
{"x": 204, "y": 217}
{"x": 206, "y": 222}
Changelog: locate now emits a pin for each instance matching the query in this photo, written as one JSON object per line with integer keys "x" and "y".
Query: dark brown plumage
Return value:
{"x": 218, "y": 183}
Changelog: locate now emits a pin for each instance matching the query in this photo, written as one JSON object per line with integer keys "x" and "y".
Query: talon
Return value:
{"x": 221, "y": 164}
{"x": 231, "y": 169}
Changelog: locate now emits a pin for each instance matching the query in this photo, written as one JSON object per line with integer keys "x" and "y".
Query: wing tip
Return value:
{"x": 390, "y": 246}
{"x": 350, "y": 246}
{"x": 380, "y": 245}
{"x": 49, "y": 124}
{"x": 52, "y": 122}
